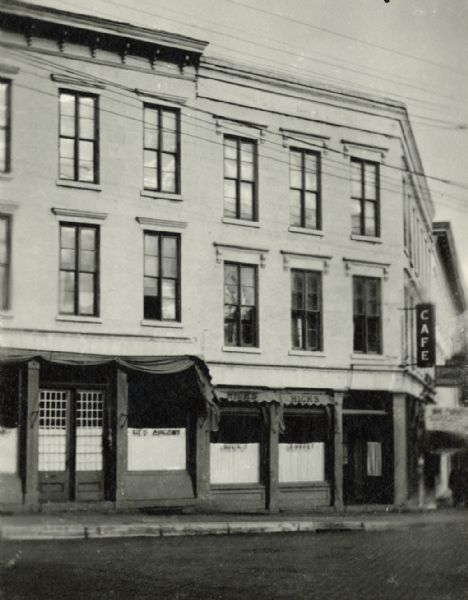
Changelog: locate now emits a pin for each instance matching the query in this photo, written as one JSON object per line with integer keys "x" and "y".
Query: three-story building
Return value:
{"x": 205, "y": 277}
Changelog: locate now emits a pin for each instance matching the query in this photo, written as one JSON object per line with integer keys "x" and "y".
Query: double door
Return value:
{"x": 71, "y": 434}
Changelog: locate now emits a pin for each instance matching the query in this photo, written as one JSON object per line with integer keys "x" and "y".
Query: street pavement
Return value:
{"x": 418, "y": 563}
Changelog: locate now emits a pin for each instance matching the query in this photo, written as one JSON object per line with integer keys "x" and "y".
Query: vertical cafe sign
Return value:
{"x": 425, "y": 335}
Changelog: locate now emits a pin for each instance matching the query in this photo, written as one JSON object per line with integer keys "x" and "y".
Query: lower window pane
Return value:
{"x": 86, "y": 294}
{"x": 373, "y": 334}
{"x": 359, "y": 334}
{"x": 296, "y": 330}
{"x": 86, "y": 171}
{"x": 247, "y": 326}
{"x": 356, "y": 210}
{"x": 151, "y": 307}
{"x": 370, "y": 223}
{"x": 67, "y": 169}
{"x": 67, "y": 292}
{"x": 295, "y": 208}
{"x": 230, "y": 326}
{"x": 168, "y": 309}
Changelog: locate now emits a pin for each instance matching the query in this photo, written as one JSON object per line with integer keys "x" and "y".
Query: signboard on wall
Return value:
{"x": 451, "y": 420}
{"x": 425, "y": 335}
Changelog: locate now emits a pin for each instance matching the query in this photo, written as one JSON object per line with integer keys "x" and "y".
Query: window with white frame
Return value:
{"x": 78, "y": 143}
{"x": 240, "y": 181}
{"x": 365, "y": 187}
{"x": 240, "y": 304}
{"x": 161, "y": 149}
{"x": 367, "y": 315}
{"x": 304, "y": 192}
{"x": 306, "y": 309}
{"x": 5, "y": 125}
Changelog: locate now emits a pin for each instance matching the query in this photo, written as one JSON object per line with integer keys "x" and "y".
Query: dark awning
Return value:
{"x": 157, "y": 365}
{"x": 445, "y": 441}
{"x": 284, "y": 397}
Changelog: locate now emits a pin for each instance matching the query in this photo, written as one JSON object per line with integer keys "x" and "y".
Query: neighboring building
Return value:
{"x": 158, "y": 206}
{"x": 450, "y": 301}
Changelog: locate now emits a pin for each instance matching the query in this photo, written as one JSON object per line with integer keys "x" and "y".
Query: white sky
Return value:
{"x": 415, "y": 51}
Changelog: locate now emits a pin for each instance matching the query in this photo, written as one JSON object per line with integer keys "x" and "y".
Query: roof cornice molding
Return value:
{"x": 54, "y": 16}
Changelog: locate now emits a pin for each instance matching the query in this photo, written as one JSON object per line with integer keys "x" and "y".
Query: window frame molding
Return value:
{"x": 6, "y": 300}
{"x": 7, "y": 171}
{"x": 81, "y": 89}
{"x": 304, "y": 311}
{"x": 255, "y": 347}
{"x": 238, "y": 180}
{"x": 153, "y": 102}
{"x": 362, "y": 235}
{"x": 240, "y": 254}
{"x": 76, "y": 316}
{"x": 366, "y": 352}
{"x": 150, "y": 229}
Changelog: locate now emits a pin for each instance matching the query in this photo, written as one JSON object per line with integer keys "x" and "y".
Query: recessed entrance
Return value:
{"x": 71, "y": 433}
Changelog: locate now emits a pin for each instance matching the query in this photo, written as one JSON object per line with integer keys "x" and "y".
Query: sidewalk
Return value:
{"x": 104, "y": 525}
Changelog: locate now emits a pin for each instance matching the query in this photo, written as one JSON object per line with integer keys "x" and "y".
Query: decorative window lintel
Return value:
{"x": 78, "y": 214}
{"x": 310, "y": 141}
{"x": 238, "y": 127}
{"x": 366, "y": 268}
{"x": 231, "y": 252}
{"x": 364, "y": 151}
{"x": 160, "y": 223}
{"x": 314, "y": 262}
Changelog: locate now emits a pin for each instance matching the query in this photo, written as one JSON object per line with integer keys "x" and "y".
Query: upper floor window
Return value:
{"x": 161, "y": 276}
{"x": 4, "y": 262}
{"x": 306, "y": 305}
{"x": 5, "y": 108}
{"x": 240, "y": 304}
{"x": 161, "y": 149}
{"x": 304, "y": 183}
{"x": 367, "y": 315}
{"x": 78, "y": 137}
{"x": 79, "y": 269}
{"x": 365, "y": 197}
{"x": 240, "y": 178}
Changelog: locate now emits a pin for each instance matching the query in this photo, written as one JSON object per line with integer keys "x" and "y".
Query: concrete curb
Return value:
{"x": 69, "y": 531}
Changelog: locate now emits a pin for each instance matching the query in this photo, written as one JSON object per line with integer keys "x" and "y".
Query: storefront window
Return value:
{"x": 235, "y": 450}
{"x": 157, "y": 428}
{"x": 302, "y": 448}
{"x": 8, "y": 422}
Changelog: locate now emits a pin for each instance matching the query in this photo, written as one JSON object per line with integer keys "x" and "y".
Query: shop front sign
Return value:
{"x": 450, "y": 420}
{"x": 425, "y": 335}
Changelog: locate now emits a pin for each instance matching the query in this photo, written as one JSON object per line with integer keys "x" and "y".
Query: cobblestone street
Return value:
{"x": 427, "y": 563}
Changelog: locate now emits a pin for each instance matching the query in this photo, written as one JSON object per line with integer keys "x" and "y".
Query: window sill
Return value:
{"x": 161, "y": 195}
{"x": 6, "y": 177}
{"x": 243, "y": 349}
{"x": 78, "y": 319}
{"x": 6, "y": 315}
{"x": 169, "y": 324}
{"x": 311, "y": 353}
{"x": 242, "y": 222}
{"x": 366, "y": 238}
{"x": 305, "y": 231}
{"x": 379, "y": 358}
{"x": 80, "y": 185}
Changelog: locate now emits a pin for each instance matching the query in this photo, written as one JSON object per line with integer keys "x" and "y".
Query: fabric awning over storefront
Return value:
{"x": 438, "y": 441}
{"x": 446, "y": 428}
{"x": 282, "y": 397}
{"x": 157, "y": 365}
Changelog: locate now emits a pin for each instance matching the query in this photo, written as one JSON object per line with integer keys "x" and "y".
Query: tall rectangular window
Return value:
{"x": 306, "y": 308}
{"x": 365, "y": 197}
{"x": 304, "y": 183}
{"x": 367, "y": 315}
{"x": 161, "y": 277}
{"x": 4, "y": 262}
{"x": 79, "y": 269}
{"x": 240, "y": 305}
{"x": 78, "y": 149}
{"x": 240, "y": 178}
{"x": 5, "y": 137}
{"x": 161, "y": 149}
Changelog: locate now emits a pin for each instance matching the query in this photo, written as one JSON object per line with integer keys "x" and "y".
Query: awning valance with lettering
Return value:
{"x": 157, "y": 365}
{"x": 282, "y": 397}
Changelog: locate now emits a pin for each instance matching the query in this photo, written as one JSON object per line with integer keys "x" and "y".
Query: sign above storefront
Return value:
{"x": 284, "y": 397}
{"x": 451, "y": 420}
{"x": 425, "y": 335}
